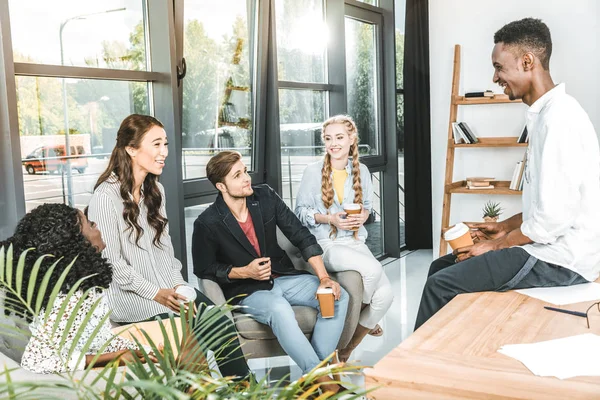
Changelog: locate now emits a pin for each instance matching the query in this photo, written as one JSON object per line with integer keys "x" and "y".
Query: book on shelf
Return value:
{"x": 468, "y": 132}
{"x": 478, "y": 95}
{"x": 480, "y": 187}
{"x": 524, "y": 136}
{"x": 516, "y": 182}
{"x": 513, "y": 182}
{"x": 478, "y": 183}
{"x": 457, "y": 134}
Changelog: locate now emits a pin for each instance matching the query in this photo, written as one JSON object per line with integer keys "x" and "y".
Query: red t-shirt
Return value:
{"x": 248, "y": 229}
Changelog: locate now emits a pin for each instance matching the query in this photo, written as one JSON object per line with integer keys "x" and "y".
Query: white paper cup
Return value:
{"x": 351, "y": 209}
{"x": 458, "y": 236}
{"x": 186, "y": 291}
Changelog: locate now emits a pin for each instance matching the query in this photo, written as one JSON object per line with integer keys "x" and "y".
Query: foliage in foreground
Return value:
{"x": 186, "y": 376}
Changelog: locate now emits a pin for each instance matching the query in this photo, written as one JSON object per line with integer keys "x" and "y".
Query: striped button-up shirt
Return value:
{"x": 139, "y": 271}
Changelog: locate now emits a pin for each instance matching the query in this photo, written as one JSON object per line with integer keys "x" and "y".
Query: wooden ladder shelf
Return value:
{"x": 453, "y": 187}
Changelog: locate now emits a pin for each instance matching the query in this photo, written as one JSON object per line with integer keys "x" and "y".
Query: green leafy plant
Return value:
{"x": 171, "y": 377}
{"x": 492, "y": 210}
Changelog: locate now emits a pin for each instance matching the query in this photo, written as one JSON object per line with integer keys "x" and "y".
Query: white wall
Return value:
{"x": 575, "y": 60}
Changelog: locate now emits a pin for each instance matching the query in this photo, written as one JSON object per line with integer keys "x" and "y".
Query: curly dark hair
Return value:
{"x": 528, "y": 34}
{"x": 130, "y": 134}
{"x": 55, "y": 229}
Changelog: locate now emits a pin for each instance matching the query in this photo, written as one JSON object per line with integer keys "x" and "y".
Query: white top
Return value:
{"x": 138, "y": 271}
{"x": 561, "y": 192}
{"x": 43, "y": 353}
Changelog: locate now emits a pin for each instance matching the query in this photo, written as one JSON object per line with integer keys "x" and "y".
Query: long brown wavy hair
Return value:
{"x": 130, "y": 134}
{"x": 326, "y": 180}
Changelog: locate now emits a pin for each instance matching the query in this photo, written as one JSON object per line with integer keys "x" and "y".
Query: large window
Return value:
{"x": 67, "y": 122}
{"x": 302, "y": 39}
{"x": 219, "y": 49}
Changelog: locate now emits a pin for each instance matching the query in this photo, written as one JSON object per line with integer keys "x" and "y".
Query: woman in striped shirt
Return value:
{"x": 128, "y": 205}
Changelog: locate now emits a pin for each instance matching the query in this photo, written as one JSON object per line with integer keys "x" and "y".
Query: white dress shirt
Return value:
{"x": 561, "y": 192}
{"x": 138, "y": 271}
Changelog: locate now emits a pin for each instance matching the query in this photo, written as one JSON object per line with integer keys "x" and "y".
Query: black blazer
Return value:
{"x": 219, "y": 244}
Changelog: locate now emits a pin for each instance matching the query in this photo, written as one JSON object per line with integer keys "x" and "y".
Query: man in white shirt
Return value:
{"x": 556, "y": 240}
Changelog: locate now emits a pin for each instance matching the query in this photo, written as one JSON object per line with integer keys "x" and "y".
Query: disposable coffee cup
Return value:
{"x": 458, "y": 236}
{"x": 326, "y": 302}
{"x": 352, "y": 208}
{"x": 187, "y": 291}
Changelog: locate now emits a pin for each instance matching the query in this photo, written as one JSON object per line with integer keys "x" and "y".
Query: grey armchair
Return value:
{"x": 258, "y": 340}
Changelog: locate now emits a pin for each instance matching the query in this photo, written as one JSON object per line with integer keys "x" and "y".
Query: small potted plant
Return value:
{"x": 491, "y": 211}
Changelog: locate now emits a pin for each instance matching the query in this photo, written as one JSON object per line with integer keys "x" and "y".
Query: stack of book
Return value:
{"x": 463, "y": 133}
{"x": 516, "y": 183}
{"x": 478, "y": 95}
{"x": 479, "y": 182}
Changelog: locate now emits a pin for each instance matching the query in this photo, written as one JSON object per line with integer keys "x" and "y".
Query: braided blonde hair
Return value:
{"x": 326, "y": 181}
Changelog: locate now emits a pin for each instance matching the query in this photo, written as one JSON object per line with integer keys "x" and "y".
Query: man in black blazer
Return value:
{"x": 235, "y": 244}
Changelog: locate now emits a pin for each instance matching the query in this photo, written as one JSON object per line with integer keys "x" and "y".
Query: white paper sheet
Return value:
{"x": 563, "y": 358}
{"x": 562, "y": 295}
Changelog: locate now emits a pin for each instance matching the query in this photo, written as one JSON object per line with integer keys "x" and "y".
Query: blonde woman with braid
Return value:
{"x": 326, "y": 185}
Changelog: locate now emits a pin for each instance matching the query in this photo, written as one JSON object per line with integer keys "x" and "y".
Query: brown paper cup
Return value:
{"x": 458, "y": 236}
{"x": 326, "y": 302}
{"x": 351, "y": 209}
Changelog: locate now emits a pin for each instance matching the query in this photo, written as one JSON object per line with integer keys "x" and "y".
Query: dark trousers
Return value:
{"x": 233, "y": 362}
{"x": 497, "y": 271}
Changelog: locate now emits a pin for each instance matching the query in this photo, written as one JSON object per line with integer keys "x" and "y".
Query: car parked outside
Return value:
{"x": 53, "y": 159}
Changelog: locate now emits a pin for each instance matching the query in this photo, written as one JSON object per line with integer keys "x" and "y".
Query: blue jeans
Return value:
{"x": 274, "y": 308}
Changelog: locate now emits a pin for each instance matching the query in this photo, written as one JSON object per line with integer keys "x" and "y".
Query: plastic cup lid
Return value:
{"x": 456, "y": 231}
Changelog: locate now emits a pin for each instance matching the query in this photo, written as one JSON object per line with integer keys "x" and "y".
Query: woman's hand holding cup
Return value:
{"x": 340, "y": 221}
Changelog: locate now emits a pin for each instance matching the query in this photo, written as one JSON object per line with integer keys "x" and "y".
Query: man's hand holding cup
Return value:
{"x": 326, "y": 293}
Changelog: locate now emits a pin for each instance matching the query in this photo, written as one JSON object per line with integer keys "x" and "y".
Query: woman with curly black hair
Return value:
{"x": 129, "y": 206}
{"x": 69, "y": 236}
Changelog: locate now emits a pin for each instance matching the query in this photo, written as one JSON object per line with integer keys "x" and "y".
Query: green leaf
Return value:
{"x": 19, "y": 272}
{"x": 41, "y": 291}
{"x": 33, "y": 277}
{"x": 57, "y": 287}
{"x": 9, "y": 265}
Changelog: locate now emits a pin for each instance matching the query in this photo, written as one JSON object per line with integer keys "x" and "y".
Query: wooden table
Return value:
{"x": 454, "y": 355}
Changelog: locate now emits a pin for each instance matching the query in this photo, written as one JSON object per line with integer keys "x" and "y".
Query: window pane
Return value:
{"x": 400, "y": 136}
{"x": 400, "y": 10}
{"x": 107, "y": 34}
{"x": 361, "y": 81}
{"x": 371, "y": 2}
{"x": 94, "y": 112}
{"x": 217, "y": 90}
{"x": 301, "y": 40}
{"x": 374, "y": 224}
{"x": 301, "y": 113}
